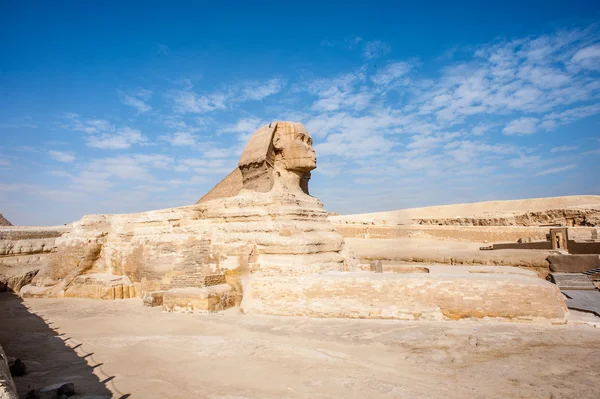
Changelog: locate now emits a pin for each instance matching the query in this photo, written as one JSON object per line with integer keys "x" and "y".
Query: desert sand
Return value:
{"x": 121, "y": 349}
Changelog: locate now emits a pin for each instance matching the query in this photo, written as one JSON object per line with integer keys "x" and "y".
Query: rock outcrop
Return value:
{"x": 24, "y": 251}
{"x": 583, "y": 211}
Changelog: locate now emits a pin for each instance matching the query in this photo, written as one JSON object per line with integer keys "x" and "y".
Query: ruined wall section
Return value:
{"x": 24, "y": 251}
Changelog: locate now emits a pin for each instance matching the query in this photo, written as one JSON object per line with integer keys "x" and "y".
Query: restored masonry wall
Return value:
{"x": 406, "y": 296}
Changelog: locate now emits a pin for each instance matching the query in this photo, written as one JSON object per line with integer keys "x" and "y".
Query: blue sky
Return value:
{"x": 108, "y": 108}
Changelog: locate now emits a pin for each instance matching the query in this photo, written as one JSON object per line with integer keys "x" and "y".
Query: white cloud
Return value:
{"x": 556, "y": 170}
{"x": 521, "y": 126}
{"x": 260, "y": 90}
{"x": 588, "y": 57}
{"x": 61, "y": 156}
{"x": 137, "y": 100}
{"x": 390, "y": 73}
{"x": 245, "y": 126}
{"x": 481, "y": 128}
{"x": 72, "y": 121}
{"x": 375, "y": 49}
{"x": 564, "y": 148}
{"x": 189, "y": 102}
{"x": 124, "y": 138}
{"x": 180, "y": 139}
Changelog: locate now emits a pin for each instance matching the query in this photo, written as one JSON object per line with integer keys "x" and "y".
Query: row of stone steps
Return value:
{"x": 572, "y": 281}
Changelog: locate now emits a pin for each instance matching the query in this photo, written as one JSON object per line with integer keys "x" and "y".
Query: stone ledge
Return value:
{"x": 100, "y": 286}
{"x": 406, "y": 296}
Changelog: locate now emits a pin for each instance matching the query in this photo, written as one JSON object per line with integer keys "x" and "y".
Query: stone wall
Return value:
{"x": 524, "y": 245}
{"x": 504, "y": 296}
{"x": 24, "y": 251}
{"x": 573, "y": 263}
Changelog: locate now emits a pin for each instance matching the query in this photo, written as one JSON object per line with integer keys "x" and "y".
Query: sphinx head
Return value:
{"x": 293, "y": 148}
{"x": 279, "y": 155}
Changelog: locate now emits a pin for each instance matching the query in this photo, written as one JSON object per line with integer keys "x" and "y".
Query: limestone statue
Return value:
{"x": 278, "y": 156}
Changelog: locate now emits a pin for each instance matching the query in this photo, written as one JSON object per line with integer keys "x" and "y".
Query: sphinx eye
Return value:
{"x": 309, "y": 141}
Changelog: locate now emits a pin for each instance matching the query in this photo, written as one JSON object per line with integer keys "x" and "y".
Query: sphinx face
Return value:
{"x": 295, "y": 145}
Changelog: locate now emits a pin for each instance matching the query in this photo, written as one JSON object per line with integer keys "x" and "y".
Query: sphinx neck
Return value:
{"x": 290, "y": 181}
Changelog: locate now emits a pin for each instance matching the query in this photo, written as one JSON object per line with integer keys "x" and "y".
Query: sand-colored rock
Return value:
{"x": 100, "y": 286}
{"x": 195, "y": 300}
{"x": 24, "y": 251}
{"x": 581, "y": 210}
{"x": 446, "y": 294}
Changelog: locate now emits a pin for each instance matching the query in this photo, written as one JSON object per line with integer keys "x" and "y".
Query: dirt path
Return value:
{"x": 143, "y": 352}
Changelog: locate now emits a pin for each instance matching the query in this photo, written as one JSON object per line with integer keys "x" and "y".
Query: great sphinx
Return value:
{"x": 259, "y": 241}
{"x": 259, "y": 219}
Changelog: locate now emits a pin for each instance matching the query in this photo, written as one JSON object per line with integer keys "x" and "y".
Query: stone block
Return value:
{"x": 153, "y": 299}
{"x": 100, "y": 286}
{"x": 207, "y": 299}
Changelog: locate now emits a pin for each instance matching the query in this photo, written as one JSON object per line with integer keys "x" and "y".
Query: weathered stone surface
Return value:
{"x": 207, "y": 299}
{"x": 573, "y": 263}
{"x": 263, "y": 164}
{"x": 153, "y": 299}
{"x": 7, "y": 385}
{"x": 580, "y": 210}
{"x": 100, "y": 286}
{"x": 23, "y": 252}
{"x": 417, "y": 296}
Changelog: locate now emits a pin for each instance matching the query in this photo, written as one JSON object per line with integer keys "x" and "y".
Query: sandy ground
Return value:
{"x": 123, "y": 349}
{"x": 425, "y": 250}
{"x": 478, "y": 209}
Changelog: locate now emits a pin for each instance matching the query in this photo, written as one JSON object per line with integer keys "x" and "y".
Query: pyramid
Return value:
{"x": 4, "y": 222}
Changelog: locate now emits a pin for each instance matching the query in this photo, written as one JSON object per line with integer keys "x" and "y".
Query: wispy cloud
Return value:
{"x": 124, "y": 138}
{"x": 180, "y": 139}
{"x": 101, "y": 133}
{"x": 261, "y": 90}
{"x": 521, "y": 126}
{"x": 564, "y": 148}
{"x": 61, "y": 156}
{"x": 137, "y": 99}
{"x": 375, "y": 49}
{"x": 556, "y": 170}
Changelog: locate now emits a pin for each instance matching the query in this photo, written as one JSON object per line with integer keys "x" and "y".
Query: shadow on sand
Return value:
{"x": 50, "y": 357}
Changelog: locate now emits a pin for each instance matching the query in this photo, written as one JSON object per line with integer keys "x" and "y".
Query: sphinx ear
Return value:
{"x": 277, "y": 144}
